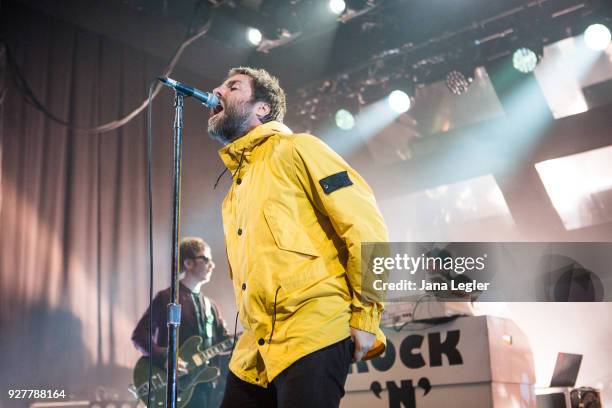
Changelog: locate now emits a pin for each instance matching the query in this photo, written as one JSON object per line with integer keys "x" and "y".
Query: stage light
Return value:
{"x": 399, "y": 101}
{"x": 254, "y": 36}
{"x": 344, "y": 119}
{"x": 524, "y": 60}
{"x": 457, "y": 83}
{"x": 337, "y": 6}
{"x": 597, "y": 37}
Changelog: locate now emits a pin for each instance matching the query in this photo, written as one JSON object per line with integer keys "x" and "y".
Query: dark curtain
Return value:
{"x": 73, "y": 210}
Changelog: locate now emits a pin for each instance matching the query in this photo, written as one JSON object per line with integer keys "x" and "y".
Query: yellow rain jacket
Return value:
{"x": 294, "y": 219}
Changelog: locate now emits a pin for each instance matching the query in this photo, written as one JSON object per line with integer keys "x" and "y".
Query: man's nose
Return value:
{"x": 212, "y": 265}
{"x": 217, "y": 91}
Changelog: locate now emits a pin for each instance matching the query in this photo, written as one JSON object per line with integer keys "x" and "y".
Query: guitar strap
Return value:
{"x": 205, "y": 317}
{"x": 209, "y": 318}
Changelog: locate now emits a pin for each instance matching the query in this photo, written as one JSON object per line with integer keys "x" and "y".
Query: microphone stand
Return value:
{"x": 174, "y": 308}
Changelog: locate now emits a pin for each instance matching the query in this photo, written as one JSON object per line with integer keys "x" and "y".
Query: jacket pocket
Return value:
{"x": 287, "y": 235}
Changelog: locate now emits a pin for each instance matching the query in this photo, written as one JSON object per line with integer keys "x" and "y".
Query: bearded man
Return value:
{"x": 294, "y": 220}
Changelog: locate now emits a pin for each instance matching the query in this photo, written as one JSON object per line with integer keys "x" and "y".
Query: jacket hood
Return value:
{"x": 232, "y": 153}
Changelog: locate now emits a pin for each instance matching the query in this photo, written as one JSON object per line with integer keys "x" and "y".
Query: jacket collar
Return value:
{"x": 231, "y": 153}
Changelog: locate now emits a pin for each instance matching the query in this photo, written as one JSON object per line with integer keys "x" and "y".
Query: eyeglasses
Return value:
{"x": 202, "y": 257}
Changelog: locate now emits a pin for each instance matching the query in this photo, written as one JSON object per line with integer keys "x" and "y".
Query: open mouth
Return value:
{"x": 217, "y": 109}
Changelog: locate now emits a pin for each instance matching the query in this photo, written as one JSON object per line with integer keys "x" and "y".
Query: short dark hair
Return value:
{"x": 189, "y": 248}
{"x": 265, "y": 89}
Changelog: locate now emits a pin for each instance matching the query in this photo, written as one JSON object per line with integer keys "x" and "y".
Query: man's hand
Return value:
{"x": 181, "y": 366}
{"x": 363, "y": 341}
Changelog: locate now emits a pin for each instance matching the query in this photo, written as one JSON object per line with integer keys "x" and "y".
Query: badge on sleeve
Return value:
{"x": 335, "y": 182}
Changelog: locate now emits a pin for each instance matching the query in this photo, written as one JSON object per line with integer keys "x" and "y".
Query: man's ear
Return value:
{"x": 262, "y": 110}
{"x": 187, "y": 264}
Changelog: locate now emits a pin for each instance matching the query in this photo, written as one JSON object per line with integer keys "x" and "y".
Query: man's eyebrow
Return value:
{"x": 233, "y": 82}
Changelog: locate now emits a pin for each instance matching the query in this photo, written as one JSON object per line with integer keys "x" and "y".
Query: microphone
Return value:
{"x": 209, "y": 100}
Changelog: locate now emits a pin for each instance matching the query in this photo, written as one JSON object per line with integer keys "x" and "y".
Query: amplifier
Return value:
{"x": 583, "y": 397}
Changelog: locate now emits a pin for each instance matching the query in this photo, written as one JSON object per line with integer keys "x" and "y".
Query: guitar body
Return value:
{"x": 198, "y": 372}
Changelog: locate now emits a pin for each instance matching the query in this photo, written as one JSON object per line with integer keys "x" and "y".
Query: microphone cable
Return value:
{"x": 149, "y": 146}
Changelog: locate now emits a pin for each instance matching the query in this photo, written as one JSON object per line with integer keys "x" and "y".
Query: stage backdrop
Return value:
{"x": 73, "y": 209}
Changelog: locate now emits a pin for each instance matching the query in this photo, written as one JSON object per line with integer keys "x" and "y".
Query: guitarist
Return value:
{"x": 200, "y": 316}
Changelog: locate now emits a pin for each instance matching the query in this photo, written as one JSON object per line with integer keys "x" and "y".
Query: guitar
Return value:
{"x": 198, "y": 371}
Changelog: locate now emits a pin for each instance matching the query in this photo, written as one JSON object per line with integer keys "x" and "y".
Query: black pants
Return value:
{"x": 315, "y": 380}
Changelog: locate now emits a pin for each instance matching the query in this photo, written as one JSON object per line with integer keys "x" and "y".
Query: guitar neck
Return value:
{"x": 216, "y": 349}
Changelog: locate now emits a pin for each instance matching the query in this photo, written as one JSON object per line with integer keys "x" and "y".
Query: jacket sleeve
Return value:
{"x": 140, "y": 335}
{"x": 352, "y": 211}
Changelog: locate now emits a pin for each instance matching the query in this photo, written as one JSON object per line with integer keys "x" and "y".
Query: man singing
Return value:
{"x": 294, "y": 219}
